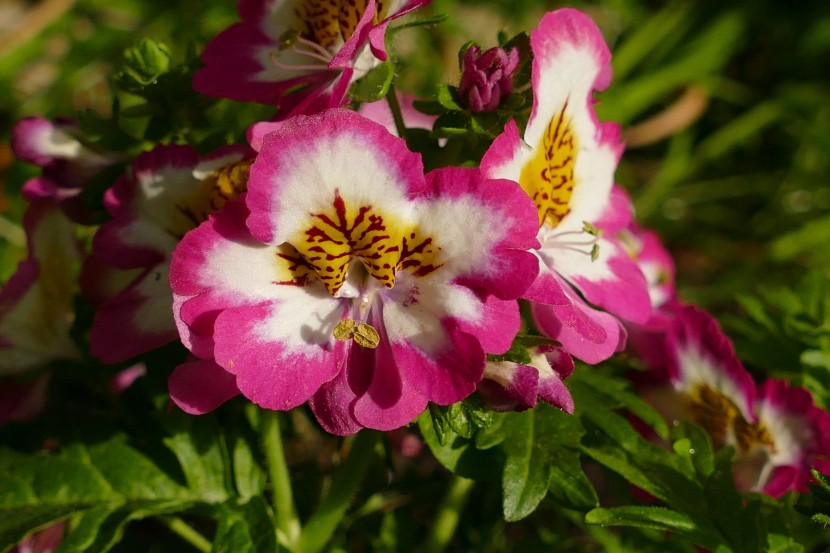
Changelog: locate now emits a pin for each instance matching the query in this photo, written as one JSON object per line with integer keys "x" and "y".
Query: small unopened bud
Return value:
{"x": 487, "y": 79}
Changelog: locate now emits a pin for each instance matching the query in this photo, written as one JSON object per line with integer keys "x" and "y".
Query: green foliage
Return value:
{"x": 786, "y": 332}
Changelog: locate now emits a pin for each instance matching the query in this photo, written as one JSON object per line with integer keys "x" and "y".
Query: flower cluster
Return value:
{"x": 321, "y": 264}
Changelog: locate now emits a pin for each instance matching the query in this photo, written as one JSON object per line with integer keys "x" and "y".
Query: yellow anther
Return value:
{"x": 366, "y": 336}
{"x": 344, "y": 330}
{"x": 363, "y": 334}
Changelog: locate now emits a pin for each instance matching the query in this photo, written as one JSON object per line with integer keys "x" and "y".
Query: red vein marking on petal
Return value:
{"x": 548, "y": 178}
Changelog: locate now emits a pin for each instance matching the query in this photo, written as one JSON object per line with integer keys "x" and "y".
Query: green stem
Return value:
{"x": 288, "y": 524}
{"x": 187, "y": 533}
{"x": 346, "y": 481}
{"x": 395, "y": 108}
{"x": 448, "y": 515}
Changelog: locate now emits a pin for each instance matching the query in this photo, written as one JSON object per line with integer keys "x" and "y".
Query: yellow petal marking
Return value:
{"x": 327, "y": 22}
{"x": 548, "y": 178}
{"x": 724, "y": 422}
{"x": 221, "y": 186}
{"x": 383, "y": 243}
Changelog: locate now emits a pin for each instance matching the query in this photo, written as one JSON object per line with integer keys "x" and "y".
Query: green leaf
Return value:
{"x": 698, "y": 447}
{"x": 776, "y": 543}
{"x": 449, "y": 99}
{"x": 111, "y": 477}
{"x": 569, "y": 486}
{"x": 531, "y": 440}
{"x": 463, "y": 418}
{"x": 198, "y": 444}
{"x": 145, "y": 62}
{"x": 459, "y": 455}
{"x": 655, "y": 518}
{"x": 245, "y": 528}
{"x": 102, "y": 527}
{"x": 605, "y": 393}
{"x": 726, "y": 507}
{"x": 374, "y": 85}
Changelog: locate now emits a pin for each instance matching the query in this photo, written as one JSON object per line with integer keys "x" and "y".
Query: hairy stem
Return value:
{"x": 395, "y": 108}
{"x": 187, "y": 533}
{"x": 345, "y": 483}
{"x": 448, "y": 515}
{"x": 288, "y": 524}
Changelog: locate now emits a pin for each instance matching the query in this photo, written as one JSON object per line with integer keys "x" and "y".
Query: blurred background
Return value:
{"x": 724, "y": 107}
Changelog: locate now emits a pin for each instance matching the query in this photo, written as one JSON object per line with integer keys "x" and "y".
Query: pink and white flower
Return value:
{"x": 565, "y": 162}
{"x": 352, "y": 281}
{"x": 301, "y": 55}
{"x": 791, "y": 436}
{"x": 67, "y": 162}
{"x": 777, "y": 431}
{"x": 164, "y": 193}
{"x": 36, "y": 309}
{"x": 646, "y": 249}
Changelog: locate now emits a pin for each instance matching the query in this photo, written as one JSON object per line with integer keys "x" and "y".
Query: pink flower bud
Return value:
{"x": 487, "y": 79}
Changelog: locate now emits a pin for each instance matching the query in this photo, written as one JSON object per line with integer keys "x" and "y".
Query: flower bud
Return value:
{"x": 487, "y": 79}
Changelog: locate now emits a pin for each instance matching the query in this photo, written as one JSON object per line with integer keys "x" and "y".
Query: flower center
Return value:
{"x": 548, "y": 178}
{"x": 221, "y": 186}
{"x": 328, "y": 22}
{"x": 714, "y": 412}
{"x": 724, "y": 422}
{"x": 383, "y": 244}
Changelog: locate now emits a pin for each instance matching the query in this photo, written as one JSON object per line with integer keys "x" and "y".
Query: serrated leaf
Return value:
{"x": 776, "y": 543}
{"x": 698, "y": 447}
{"x": 245, "y": 528}
{"x": 532, "y": 439}
{"x": 726, "y": 508}
{"x": 101, "y": 528}
{"x": 146, "y": 62}
{"x": 821, "y": 519}
{"x": 459, "y": 455}
{"x": 605, "y": 394}
{"x": 197, "y": 444}
{"x": 36, "y": 490}
{"x": 569, "y": 485}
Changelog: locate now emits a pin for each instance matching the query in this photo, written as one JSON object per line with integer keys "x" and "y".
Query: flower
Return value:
{"x": 67, "y": 162}
{"x": 36, "y": 310}
{"x": 487, "y": 79}
{"x": 165, "y": 193}
{"x": 566, "y": 163}
{"x": 655, "y": 262}
{"x": 299, "y": 54}
{"x": 777, "y": 431}
{"x": 791, "y": 436}
{"x": 350, "y": 280}
{"x": 511, "y": 386}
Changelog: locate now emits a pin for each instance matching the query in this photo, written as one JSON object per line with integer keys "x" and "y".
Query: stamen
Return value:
{"x": 314, "y": 46}
{"x": 555, "y": 240}
{"x": 288, "y": 38}
{"x": 277, "y": 63}
{"x": 363, "y": 334}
